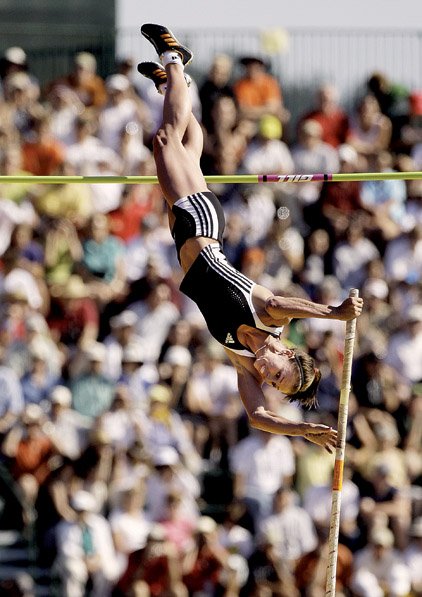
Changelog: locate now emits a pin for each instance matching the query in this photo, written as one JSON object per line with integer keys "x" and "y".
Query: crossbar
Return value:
{"x": 215, "y": 179}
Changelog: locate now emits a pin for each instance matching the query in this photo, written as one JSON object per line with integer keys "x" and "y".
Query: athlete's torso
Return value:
{"x": 224, "y": 297}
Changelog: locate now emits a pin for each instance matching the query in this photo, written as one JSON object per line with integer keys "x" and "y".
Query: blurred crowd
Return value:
{"x": 124, "y": 446}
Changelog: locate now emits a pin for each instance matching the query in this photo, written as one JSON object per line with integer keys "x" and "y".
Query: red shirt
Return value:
{"x": 335, "y": 126}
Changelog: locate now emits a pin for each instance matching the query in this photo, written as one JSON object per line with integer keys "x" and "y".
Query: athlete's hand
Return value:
{"x": 349, "y": 309}
{"x": 323, "y": 436}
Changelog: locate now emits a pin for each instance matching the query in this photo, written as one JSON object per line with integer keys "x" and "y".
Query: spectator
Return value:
{"x": 122, "y": 112}
{"x": 413, "y": 555}
{"x": 289, "y": 528}
{"x": 255, "y": 484}
{"x": 162, "y": 427}
{"x": 74, "y": 316}
{"x": 333, "y": 119}
{"x": 38, "y": 382}
{"x": 29, "y": 450}
{"x": 405, "y": 347}
{"x": 209, "y": 393}
{"x": 257, "y": 92}
{"x": 216, "y": 85}
{"x": 86, "y": 558}
{"x": 92, "y": 393}
{"x": 11, "y": 399}
{"x": 351, "y": 256}
{"x": 122, "y": 336}
{"x": 42, "y": 155}
{"x": 266, "y": 152}
{"x": 84, "y": 81}
{"x": 102, "y": 263}
{"x": 69, "y": 429}
{"x": 156, "y": 314}
{"x": 153, "y": 570}
{"x": 169, "y": 475}
{"x": 370, "y": 130}
{"x": 378, "y": 567}
{"x": 129, "y": 524}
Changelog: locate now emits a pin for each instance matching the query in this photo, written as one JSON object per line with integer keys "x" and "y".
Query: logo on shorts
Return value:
{"x": 229, "y": 339}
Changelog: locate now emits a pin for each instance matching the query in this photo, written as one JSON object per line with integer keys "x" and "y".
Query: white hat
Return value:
{"x": 133, "y": 353}
{"x": 95, "y": 352}
{"x": 178, "y": 355}
{"x": 123, "y": 319}
{"x": 376, "y": 287}
{"x": 206, "y": 524}
{"x": 15, "y": 55}
{"x": 61, "y": 395}
{"x": 33, "y": 413}
{"x": 86, "y": 60}
{"x": 117, "y": 83}
{"x": 83, "y": 501}
{"x": 18, "y": 80}
{"x": 414, "y": 314}
{"x": 347, "y": 153}
{"x": 157, "y": 532}
{"x": 165, "y": 456}
{"x": 382, "y": 536}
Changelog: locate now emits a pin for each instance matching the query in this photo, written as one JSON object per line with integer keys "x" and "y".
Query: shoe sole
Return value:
{"x": 153, "y": 71}
{"x": 163, "y": 40}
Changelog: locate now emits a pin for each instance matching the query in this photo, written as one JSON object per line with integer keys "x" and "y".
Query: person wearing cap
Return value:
{"x": 86, "y": 557}
{"x": 69, "y": 428}
{"x": 122, "y": 336}
{"x": 267, "y": 152}
{"x": 92, "y": 392}
{"x": 168, "y": 475}
{"x": 83, "y": 80}
{"x": 378, "y": 569}
{"x": 163, "y": 426}
{"x": 124, "y": 111}
{"x": 258, "y": 92}
{"x": 29, "y": 450}
{"x": 244, "y": 317}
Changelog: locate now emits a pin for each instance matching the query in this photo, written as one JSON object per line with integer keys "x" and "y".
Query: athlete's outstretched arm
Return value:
{"x": 280, "y": 307}
{"x": 260, "y": 417}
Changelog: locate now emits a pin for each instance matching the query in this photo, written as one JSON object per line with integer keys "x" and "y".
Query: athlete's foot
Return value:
{"x": 163, "y": 41}
{"x": 157, "y": 73}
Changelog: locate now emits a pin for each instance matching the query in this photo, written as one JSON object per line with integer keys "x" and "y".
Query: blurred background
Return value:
{"x": 127, "y": 465}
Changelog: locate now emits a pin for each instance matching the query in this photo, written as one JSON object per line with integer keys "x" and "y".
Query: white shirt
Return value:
{"x": 404, "y": 353}
{"x": 114, "y": 118}
{"x": 154, "y": 326}
{"x": 390, "y": 570}
{"x": 317, "y": 502}
{"x": 271, "y": 157}
{"x": 69, "y": 545}
{"x": 214, "y": 387}
{"x": 350, "y": 261}
{"x": 263, "y": 464}
{"x": 291, "y": 531}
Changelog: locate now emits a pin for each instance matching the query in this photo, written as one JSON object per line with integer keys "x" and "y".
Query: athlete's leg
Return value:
{"x": 178, "y": 142}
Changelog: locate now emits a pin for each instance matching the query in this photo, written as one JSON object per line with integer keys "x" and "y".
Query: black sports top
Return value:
{"x": 224, "y": 297}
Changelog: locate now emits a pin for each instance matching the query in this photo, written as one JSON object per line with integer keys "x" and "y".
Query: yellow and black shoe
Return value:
{"x": 163, "y": 40}
{"x": 157, "y": 73}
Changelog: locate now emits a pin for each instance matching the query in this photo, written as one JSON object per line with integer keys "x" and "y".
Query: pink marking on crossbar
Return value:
{"x": 294, "y": 177}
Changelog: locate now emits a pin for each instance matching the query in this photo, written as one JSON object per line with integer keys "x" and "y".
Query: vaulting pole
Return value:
{"x": 330, "y": 588}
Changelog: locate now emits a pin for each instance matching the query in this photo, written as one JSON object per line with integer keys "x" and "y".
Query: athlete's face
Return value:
{"x": 278, "y": 367}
